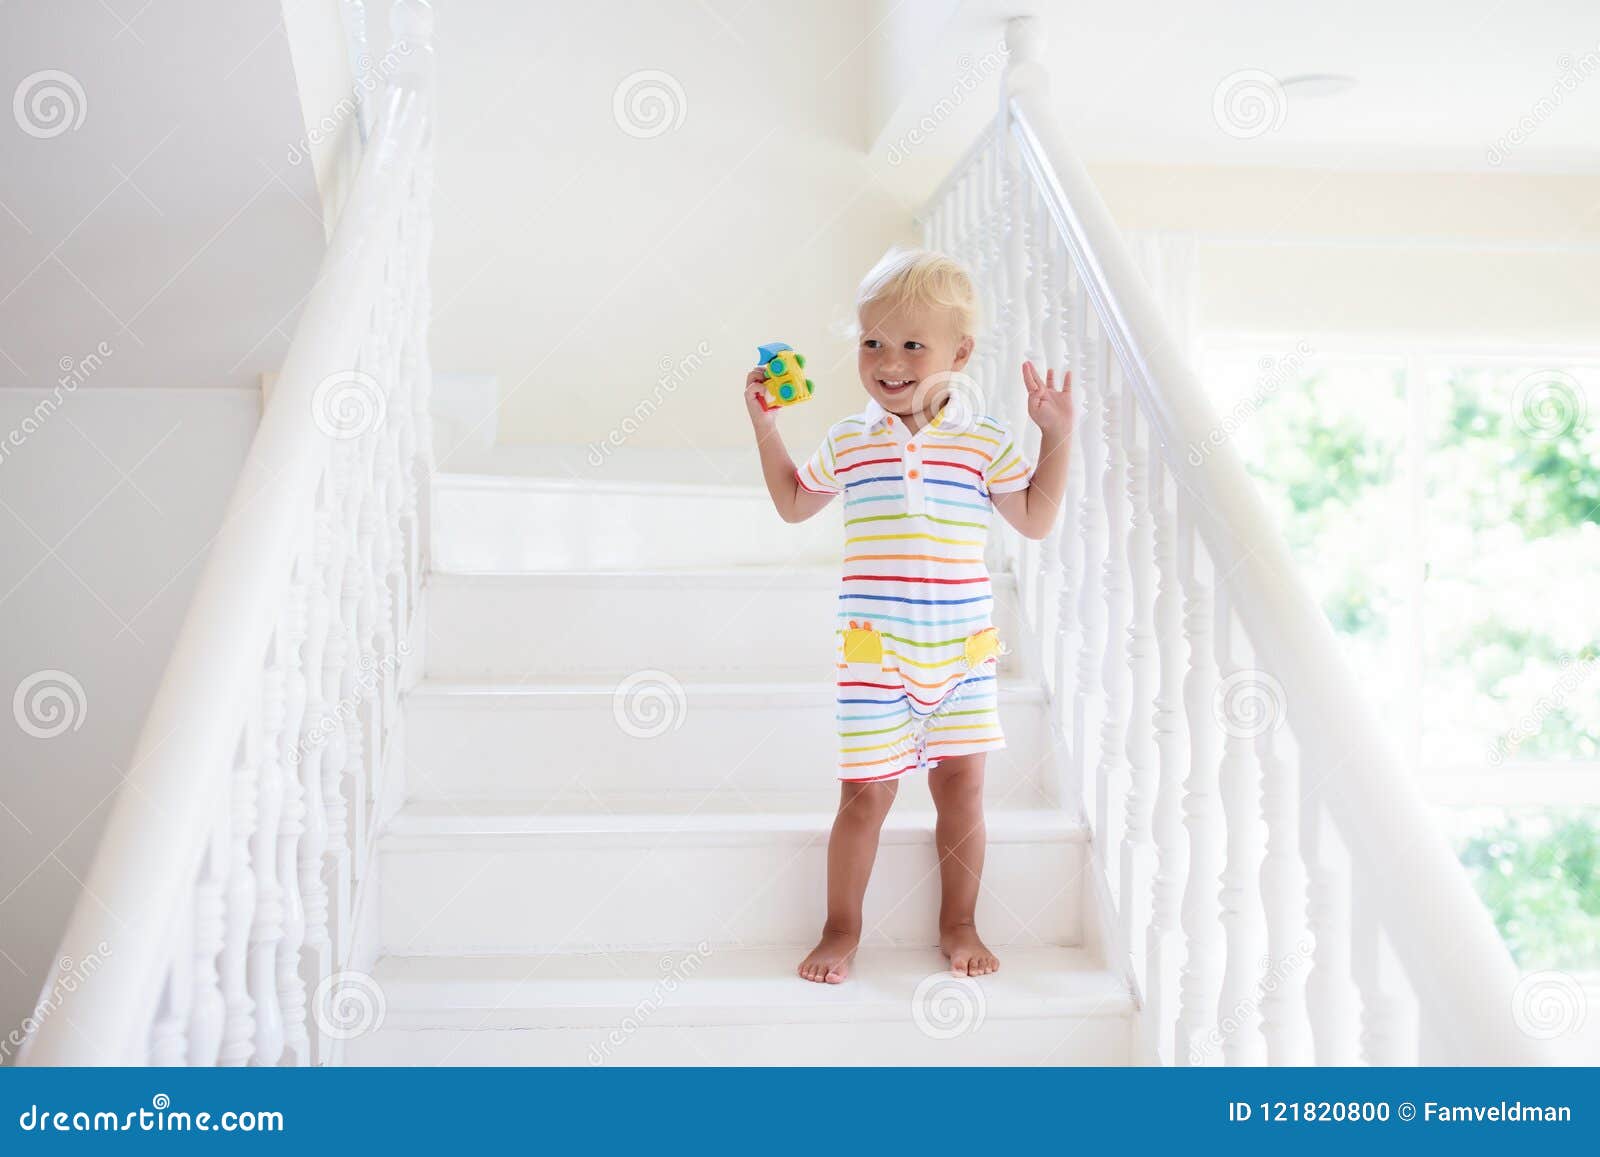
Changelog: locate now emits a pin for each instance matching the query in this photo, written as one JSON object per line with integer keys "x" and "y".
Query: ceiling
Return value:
{"x": 1440, "y": 84}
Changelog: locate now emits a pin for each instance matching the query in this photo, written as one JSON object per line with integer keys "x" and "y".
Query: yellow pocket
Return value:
{"x": 982, "y": 646}
{"x": 862, "y": 644}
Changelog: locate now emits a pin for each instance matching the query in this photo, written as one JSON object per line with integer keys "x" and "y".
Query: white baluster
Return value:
{"x": 1284, "y": 1020}
{"x": 169, "y": 1032}
{"x": 1087, "y": 703}
{"x": 1244, "y": 698}
{"x": 423, "y": 467}
{"x": 338, "y": 759}
{"x": 267, "y": 929}
{"x": 1069, "y": 543}
{"x": 1111, "y": 770}
{"x": 343, "y": 755}
{"x": 1331, "y": 995}
{"x": 1164, "y": 946}
{"x": 208, "y": 1008}
{"x": 1200, "y": 979}
{"x": 365, "y": 720}
{"x": 238, "y": 1030}
{"x": 319, "y": 725}
{"x": 1389, "y": 1012}
{"x": 421, "y": 397}
{"x": 1138, "y": 849}
{"x": 291, "y": 986}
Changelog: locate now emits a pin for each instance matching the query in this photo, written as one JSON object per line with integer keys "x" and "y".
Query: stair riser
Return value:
{"x": 576, "y": 894}
{"x": 1062, "y": 1040}
{"x": 465, "y": 746}
{"x": 534, "y": 527}
{"x": 485, "y": 628}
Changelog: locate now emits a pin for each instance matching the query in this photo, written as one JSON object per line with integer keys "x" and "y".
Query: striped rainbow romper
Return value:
{"x": 915, "y": 644}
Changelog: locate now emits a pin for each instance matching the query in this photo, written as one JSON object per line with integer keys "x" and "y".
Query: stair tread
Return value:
{"x": 731, "y": 985}
{"x": 795, "y": 574}
{"x": 589, "y": 487}
{"x": 792, "y": 685}
{"x": 692, "y": 815}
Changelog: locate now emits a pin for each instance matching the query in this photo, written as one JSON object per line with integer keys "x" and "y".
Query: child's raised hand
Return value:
{"x": 762, "y": 415}
{"x": 1050, "y": 408}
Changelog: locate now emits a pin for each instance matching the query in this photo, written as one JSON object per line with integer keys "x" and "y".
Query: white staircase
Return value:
{"x": 612, "y": 846}
{"x": 518, "y": 769}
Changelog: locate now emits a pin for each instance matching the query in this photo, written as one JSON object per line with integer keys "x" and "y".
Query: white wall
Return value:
{"x": 161, "y": 213}
{"x": 572, "y": 260}
{"x": 108, "y": 498}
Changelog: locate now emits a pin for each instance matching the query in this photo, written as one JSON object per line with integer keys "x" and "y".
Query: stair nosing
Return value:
{"x": 412, "y": 1007}
{"x": 433, "y": 689}
{"x": 408, "y": 830}
{"x": 817, "y": 573}
{"x": 560, "y": 484}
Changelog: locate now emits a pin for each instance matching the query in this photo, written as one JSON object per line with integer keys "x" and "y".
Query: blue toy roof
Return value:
{"x": 767, "y": 351}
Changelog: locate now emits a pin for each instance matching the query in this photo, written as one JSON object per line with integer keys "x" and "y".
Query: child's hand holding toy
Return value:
{"x": 777, "y": 382}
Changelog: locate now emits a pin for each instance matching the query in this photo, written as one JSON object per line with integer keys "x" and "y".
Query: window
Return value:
{"x": 1445, "y": 508}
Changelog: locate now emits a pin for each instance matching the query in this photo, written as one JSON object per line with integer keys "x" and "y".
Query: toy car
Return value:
{"x": 786, "y": 380}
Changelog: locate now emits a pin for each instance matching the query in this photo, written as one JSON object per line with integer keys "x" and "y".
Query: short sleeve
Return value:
{"x": 1009, "y": 469}
{"x": 819, "y": 474}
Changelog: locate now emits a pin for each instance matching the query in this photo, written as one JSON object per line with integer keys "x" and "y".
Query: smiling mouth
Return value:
{"x": 896, "y": 385}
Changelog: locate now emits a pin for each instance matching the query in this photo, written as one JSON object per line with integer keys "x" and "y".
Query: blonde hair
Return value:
{"x": 922, "y": 277}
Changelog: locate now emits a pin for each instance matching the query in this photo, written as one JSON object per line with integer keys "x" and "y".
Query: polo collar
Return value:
{"x": 876, "y": 416}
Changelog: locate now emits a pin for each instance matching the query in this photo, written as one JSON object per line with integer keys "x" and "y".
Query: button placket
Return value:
{"x": 911, "y": 467}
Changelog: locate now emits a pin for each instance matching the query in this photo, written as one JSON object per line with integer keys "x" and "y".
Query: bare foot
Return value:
{"x": 968, "y": 955}
{"x": 829, "y": 961}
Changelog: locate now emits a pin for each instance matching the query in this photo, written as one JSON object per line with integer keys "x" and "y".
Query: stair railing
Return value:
{"x": 1271, "y": 873}
{"x": 220, "y": 906}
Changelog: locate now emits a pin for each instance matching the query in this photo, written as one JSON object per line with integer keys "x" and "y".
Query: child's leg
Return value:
{"x": 957, "y": 787}
{"x": 852, "y": 847}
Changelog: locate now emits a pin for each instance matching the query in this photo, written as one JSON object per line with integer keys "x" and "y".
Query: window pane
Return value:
{"x": 1512, "y": 516}
{"x": 1538, "y": 872}
{"x": 1326, "y": 441}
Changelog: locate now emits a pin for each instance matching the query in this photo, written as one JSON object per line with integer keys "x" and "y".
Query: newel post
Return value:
{"x": 1024, "y": 46}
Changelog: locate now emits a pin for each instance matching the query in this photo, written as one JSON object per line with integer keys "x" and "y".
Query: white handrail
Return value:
{"x": 343, "y": 433}
{"x": 1421, "y": 940}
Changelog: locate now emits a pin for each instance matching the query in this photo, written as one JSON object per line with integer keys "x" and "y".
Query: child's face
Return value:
{"x": 904, "y": 345}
